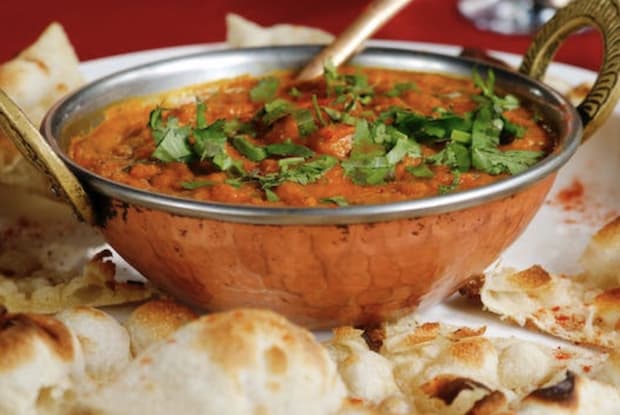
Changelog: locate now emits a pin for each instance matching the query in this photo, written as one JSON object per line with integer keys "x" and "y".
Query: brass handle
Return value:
{"x": 347, "y": 43}
{"x": 28, "y": 140}
{"x": 603, "y": 15}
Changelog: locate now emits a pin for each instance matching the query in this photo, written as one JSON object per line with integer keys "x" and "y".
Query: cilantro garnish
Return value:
{"x": 421, "y": 171}
{"x": 265, "y": 90}
{"x": 249, "y": 149}
{"x": 337, "y": 200}
{"x": 170, "y": 138}
{"x": 456, "y": 180}
{"x": 399, "y": 88}
{"x": 349, "y": 89}
{"x": 197, "y": 184}
{"x": 288, "y": 149}
{"x": 305, "y": 121}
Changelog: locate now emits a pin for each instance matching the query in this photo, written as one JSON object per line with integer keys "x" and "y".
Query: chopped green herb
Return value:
{"x": 456, "y": 179}
{"x": 170, "y": 138}
{"x": 337, "y": 200}
{"x": 288, "y": 149}
{"x": 201, "y": 121}
{"x": 317, "y": 109}
{"x": 276, "y": 109}
{"x": 404, "y": 147}
{"x": 249, "y": 149}
{"x": 197, "y": 184}
{"x": 421, "y": 171}
{"x": 265, "y": 90}
{"x": 271, "y": 195}
{"x": 305, "y": 122}
{"x": 454, "y": 155}
{"x": 399, "y": 88}
{"x": 294, "y": 92}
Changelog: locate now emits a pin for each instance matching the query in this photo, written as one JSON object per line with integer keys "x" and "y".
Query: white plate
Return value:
{"x": 556, "y": 236}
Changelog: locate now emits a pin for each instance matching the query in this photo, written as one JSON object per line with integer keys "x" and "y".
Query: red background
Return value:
{"x": 118, "y": 26}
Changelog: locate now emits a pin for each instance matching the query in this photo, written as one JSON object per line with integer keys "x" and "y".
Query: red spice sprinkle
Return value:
{"x": 562, "y": 355}
{"x": 587, "y": 369}
{"x": 571, "y": 197}
{"x": 556, "y": 308}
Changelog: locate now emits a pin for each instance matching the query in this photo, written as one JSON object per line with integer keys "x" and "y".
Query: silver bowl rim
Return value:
{"x": 58, "y": 116}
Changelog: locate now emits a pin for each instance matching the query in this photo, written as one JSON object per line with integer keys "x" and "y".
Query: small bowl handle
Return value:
{"x": 28, "y": 140}
{"x": 603, "y": 15}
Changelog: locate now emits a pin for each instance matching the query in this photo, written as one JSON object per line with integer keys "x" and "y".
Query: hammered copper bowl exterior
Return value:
{"x": 319, "y": 276}
{"x": 320, "y": 267}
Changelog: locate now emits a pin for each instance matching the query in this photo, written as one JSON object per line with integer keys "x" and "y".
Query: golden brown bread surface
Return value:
{"x": 583, "y": 308}
{"x": 35, "y": 79}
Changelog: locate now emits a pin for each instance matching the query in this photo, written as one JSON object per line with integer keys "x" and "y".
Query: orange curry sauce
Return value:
{"x": 121, "y": 148}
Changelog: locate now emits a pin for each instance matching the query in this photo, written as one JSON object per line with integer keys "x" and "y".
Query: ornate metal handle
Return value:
{"x": 28, "y": 140}
{"x": 603, "y": 15}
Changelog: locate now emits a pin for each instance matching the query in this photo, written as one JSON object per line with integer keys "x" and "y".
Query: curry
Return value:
{"x": 355, "y": 136}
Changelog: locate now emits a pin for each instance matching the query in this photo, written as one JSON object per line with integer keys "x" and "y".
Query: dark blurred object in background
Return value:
{"x": 510, "y": 17}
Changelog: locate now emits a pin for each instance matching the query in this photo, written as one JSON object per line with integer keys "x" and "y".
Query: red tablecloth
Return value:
{"x": 118, "y": 26}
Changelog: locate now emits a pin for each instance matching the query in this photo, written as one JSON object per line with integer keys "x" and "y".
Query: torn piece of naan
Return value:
{"x": 582, "y": 308}
{"x": 433, "y": 368}
{"x": 49, "y": 261}
{"x": 38, "y": 77}
{"x": 242, "y": 33}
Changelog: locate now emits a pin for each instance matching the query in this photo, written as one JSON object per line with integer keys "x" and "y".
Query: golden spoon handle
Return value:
{"x": 28, "y": 140}
{"x": 372, "y": 18}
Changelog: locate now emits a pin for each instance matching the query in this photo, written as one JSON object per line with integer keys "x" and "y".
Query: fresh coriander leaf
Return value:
{"x": 235, "y": 182}
{"x": 288, "y": 149}
{"x": 495, "y": 161}
{"x": 338, "y": 200}
{"x": 443, "y": 189}
{"x": 335, "y": 115}
{"x": 305, "y": 122}
{"x": 367, "y": 164}
{"x": 197, "y": 184}
{"x": 399, "y": 88}
{"x": 294, "y": 92}
{"x": 155, "y": 124}
{"x": 460, "y": 136}
{"x": 249, "y": 149}
{"x": 421, "y": 171}
{"x": 265, "y": 90}
{"x": 235, "y": 127}
{"x": 311, "y": 171}
{"x": 201, "y": 121}
{"x": 454, "y": 155}
{"x": 286, "y": 162}
{"x": 276, "y": 109}
{"x": 404, "y": 147}
{"x": 271, "y": 196}
{"x": 210, "y": 144}
{"x": 317, "y": 109}
{"x": 172, "y": 144}
{"x": 368, "y": 169}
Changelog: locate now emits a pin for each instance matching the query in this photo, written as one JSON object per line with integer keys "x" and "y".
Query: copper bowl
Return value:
{"x": 318, "y": 266}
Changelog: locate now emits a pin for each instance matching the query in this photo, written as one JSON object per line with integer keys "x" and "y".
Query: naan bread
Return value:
{"x": 441, "y": 369}
{"x": 40, "y": 361}
{"x": 104, "y": 342}
{"x": 582, "y": 308}
{"x": 38, "y": 77}
{"x": 155, "y": 321}
{"x": 238, "y": 362}
{"x": 242, "y": 33}
{"x": 49, "y": 261}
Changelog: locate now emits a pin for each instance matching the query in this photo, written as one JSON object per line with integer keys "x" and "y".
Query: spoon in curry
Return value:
{"x": 349, "y": 41}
